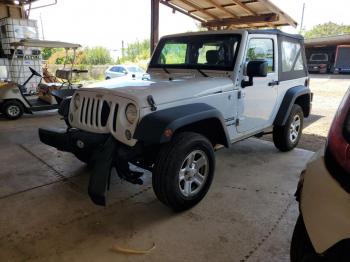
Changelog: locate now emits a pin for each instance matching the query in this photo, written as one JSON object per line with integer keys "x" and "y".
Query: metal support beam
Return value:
{"x": 200, "y": 9}
{"x": 266, "y": 18}
{"x": 245, "y": 7}
{"x": 154, "y": 24}
{"x": 217, "y": 5}
{"x": 168, "y": 4}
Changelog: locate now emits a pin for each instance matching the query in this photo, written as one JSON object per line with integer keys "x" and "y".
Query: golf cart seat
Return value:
{"x": 65, "y": 74}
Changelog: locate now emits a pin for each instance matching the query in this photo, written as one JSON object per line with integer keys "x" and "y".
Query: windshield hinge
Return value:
{"x": 151, "y": 102}
{"x": 237, "y": 122}
{"x": 239, "y": 94}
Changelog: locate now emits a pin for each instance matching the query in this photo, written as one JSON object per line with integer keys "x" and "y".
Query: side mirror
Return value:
{"x": 255, "y": 68}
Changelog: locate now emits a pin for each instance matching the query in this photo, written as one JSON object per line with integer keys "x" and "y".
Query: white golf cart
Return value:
{"x": 14, "y": 96}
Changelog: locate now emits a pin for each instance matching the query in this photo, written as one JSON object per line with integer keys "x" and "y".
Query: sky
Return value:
{"x": 109, "y": 22}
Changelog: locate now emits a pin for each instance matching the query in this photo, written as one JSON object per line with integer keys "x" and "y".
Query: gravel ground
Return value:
{"x": 328, "y": 91}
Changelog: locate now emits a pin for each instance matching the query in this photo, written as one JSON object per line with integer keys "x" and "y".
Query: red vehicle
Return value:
{"x": 322, "y": 232}
{"x": 342, "y": 59}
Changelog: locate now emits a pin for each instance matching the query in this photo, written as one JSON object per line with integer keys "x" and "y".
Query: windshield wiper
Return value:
{"x": 202, "y": 73}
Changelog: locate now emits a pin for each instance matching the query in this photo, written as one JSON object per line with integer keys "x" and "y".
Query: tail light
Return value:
{"x": 338, "y": 147}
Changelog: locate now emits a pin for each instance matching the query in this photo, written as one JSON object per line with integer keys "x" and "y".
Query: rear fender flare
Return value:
{"x": 287, "y": 103}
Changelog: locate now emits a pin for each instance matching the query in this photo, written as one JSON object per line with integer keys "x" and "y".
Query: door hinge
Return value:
{"x": 239, "y": 94}
{"x": 237, "y": 122}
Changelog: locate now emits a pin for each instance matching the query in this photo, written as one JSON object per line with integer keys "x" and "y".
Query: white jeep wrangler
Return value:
{"x": 207, "y": 90}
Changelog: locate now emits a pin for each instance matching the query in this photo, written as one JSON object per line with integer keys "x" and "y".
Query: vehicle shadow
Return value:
{"x": 312, "y": 119}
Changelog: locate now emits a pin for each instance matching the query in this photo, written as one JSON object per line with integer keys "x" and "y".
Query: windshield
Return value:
{"x": 135, "y": 69}
{"x": 319, "y": 57}
{"x": 217, "y": 52}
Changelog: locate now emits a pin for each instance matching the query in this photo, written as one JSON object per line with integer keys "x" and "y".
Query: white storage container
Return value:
{"x": 20, "y": 74}
{"x": 13, "y": 30}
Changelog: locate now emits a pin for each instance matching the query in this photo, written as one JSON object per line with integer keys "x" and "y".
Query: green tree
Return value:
{"x": 48, "y": 52}
{"x": 136, "y": 51}
{"x": 327, "y": 29}
{"x": 96, "y": 56}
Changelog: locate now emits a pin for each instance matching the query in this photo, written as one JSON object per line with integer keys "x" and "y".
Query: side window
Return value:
{"x": 262, "y": 49}
{"x": 292, "y": 59}
{"x": 114, "y": 69}
{"x": 173, "y": 54}
{"x": 122, "y": 70}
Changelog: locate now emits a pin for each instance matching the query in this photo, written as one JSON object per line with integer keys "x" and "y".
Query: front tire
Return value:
{"x": 13, "y": 109}
{"x": 184, "y": 171}
{"x": 287, "y": 137}
{"x": 302, "y": 250}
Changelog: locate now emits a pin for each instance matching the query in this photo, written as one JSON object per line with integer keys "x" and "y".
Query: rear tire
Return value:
{"x": 12, "y": 109}
{"x": 184, "y": 171}
{"x": 287, "y": 137}
{"x": 302, "y": 250}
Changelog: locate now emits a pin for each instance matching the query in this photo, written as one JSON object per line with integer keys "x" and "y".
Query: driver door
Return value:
{"x": 257, "y": 103}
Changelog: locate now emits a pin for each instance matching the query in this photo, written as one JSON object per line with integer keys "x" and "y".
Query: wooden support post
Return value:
{"x": 154, "y": 24}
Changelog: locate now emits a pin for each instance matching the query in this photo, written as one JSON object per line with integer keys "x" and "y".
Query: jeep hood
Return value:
{"x": 163, "y": 90}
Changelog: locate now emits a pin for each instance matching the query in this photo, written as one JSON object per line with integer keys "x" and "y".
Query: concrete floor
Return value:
{"x": 46, "y": 215}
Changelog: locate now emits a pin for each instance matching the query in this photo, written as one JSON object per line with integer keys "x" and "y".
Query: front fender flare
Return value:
{"x": 151, "y": 128}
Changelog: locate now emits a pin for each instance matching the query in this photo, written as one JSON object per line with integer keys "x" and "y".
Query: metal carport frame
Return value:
{"x": 223, "y": 14}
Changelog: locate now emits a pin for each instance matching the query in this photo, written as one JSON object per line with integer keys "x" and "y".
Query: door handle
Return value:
{"x": 274, "y": 83}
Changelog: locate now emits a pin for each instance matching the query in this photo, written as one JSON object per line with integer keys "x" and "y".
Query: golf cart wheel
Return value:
{"x": 13, "y": 109}
{"x": 107, "y": 78}
{"x": 287, "y": 137}
{"x": 184, "y": 171}
{"x": 302, "y": 250}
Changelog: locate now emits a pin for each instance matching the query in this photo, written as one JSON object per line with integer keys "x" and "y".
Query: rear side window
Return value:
{"x": 262, "y": 49}
{"x": 292, "y": 59}
{"x": 114, "y": 69}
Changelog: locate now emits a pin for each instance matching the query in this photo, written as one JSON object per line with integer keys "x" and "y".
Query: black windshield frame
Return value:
{"x": 193, "y": 40}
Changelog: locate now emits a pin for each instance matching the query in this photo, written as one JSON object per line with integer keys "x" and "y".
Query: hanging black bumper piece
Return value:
{"x": 105, "y": 153}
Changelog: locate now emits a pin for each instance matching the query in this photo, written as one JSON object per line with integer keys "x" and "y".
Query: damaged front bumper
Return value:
{"x": 102, "y": 151}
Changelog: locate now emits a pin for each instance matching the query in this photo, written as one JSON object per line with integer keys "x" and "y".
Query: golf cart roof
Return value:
{"x": 44, "y": 44}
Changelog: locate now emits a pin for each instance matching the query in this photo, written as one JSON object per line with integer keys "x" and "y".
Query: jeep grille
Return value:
{"x": 95, "y": 112}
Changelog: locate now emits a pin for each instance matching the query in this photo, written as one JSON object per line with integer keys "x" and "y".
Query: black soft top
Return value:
{"x": 275, "y": 32}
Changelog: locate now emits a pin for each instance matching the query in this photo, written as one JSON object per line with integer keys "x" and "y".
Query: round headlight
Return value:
{"x": 76, "y": 101}
{"x": 131, "y": 113}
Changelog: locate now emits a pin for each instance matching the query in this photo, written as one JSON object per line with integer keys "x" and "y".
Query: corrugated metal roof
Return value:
{"x": 233, "y": 13}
